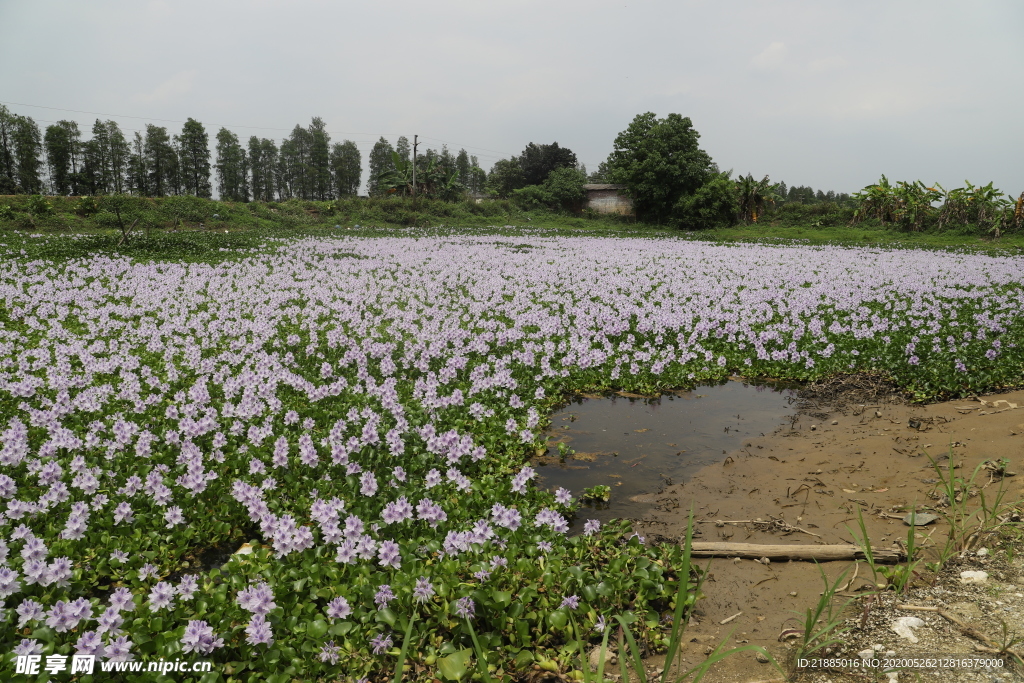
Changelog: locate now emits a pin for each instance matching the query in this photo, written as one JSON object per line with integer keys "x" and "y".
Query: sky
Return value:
{"x": 826, "y": 93}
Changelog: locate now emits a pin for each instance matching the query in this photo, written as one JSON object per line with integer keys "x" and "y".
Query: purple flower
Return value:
{"x": 29, "y": 610}
{"x": 161, "y": 596}
{"x": 200, "y": 638}
{"x": 423, "y": 590}
{"x": 368, "y": 484}
{"x": 432, "y": 479}
{"x": 330, "y": 653}
{"x": 187, "y": 586}
{"x": 570, "y": 602}
{"x": 119, "y": 555}
{"x": 563, "y": 496}
{"x": 110, "y": 621}
{"x": 61, "y": 617}
{"x": 147, "y": 571}
{"x": 9, "y": 584}
{"x": 89, "y": 643}
{"x": 28, "y": 647}
{"x": 381, "y": 643}
{"x": 591, "y": 527}
{"x": 383, "y": 596}
{"x": 123, "y": 513}
{"x": 258, "y": 632}
{"x": 388, "y": 555}
{"x": 338, "y": 608}
{"x": 173, "y": 517}
{"x": 545, "y": 546}
{"x": 258, "y": 599}
{"x": 465, "y": 607}
{"x": 121, "y": 599}
{"x": 119, "y": 650}
{"x": 600, "y": 625}
{"x": 482, "y": 575}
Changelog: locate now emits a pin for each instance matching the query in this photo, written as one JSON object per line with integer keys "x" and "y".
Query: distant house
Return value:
{"x": 608, "y": 198}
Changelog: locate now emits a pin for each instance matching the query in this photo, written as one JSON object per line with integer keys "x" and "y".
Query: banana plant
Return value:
{"x": 431, "y": 179}
{"x": 754, "y": 195}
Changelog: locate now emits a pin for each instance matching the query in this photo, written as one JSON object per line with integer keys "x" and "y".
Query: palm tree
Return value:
{"x": 754, "y": 195}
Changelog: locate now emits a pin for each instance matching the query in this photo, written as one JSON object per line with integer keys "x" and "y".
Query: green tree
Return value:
{"x": 118, "y": 158}
{"x": 321, "y": 186}
{"x": 346, "y": 168}
{"x": 381, "y": 163}
{"x": 753, "y": 196}
{"x": 161, "y": 161}
{"x": 138, "y": 179}
{"x": 63, "y": 142}
{"x": 8, "y": 167}
{"x": 195, "y": 159}
{"x": 505, "y": 177}
{"x": 566, "y": 188}
{"x": 713, "y": 205}
{"x": 537, "y": 161}
{"x": 476, "y": 180}
{"x": 296, "y": 163}
{"x": 462, "y": 166}
{"x": 263, "y": 164}
{"x": 659, "y": 162}
{"x": 232, "y": 168}
{"x": 28, "y": 147}
{"x": 403, "y": 148}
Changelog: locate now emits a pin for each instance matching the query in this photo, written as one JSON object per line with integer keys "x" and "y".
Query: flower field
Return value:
{"x": 361, "y": 412}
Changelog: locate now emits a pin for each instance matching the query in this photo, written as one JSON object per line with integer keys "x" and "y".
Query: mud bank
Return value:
{"x": 815, "y": 474}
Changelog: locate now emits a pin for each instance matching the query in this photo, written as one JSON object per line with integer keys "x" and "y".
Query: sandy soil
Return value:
{"x": 816, "y": 474}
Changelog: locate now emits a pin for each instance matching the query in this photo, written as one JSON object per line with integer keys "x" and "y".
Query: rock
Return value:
{"x": 835, "y": 422}
{"x": 761, "y": 657}
{"x": 919, "y": 518}
{"x": 610, "y": 658}
{"x": 878, "y": 413}
{"x": 969, "y": 577}
{"x": 982, "y": 552}
{"x": 903, "y": 627}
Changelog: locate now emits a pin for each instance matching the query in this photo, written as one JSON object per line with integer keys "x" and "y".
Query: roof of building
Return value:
{"x": 604, "y": 186}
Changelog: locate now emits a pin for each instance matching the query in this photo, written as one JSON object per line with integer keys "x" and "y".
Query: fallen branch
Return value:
{"x": 820, "y": 553}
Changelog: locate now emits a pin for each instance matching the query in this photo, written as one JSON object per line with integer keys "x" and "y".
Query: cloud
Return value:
{"x": 771, "y": 57}
{"x": 178, "y": 84}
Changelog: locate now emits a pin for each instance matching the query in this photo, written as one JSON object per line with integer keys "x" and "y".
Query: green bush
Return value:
{"x": 86, "y": 206}
{"x": 713, "y": 205}
{"x": 6, "y": 212}
{"x": 40, "y": 205}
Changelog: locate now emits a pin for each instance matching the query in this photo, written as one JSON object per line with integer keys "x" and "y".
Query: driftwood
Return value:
{"x": 821, "y": 553}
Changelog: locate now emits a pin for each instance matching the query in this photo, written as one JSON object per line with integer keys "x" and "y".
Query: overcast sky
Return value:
{"x": 830, "y": 94}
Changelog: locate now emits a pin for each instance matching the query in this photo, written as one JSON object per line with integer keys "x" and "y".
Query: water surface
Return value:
{"x": 637, "y": 446}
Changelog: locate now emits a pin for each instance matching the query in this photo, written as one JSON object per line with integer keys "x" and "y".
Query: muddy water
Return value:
{"x": 637, "y": 446}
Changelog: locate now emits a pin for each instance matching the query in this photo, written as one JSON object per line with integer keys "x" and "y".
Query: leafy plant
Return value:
{"x": 39, "y": 205}
{"x": 822, "y": 624}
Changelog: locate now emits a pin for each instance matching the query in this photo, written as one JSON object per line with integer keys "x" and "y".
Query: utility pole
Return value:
{"x": 415, "y": 141}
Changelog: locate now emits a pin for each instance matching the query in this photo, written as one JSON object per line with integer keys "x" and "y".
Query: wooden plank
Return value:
{"x": 821, "y": 553}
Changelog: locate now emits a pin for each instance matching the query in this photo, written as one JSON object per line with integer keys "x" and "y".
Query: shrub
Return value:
{"x": 713, "y": 205}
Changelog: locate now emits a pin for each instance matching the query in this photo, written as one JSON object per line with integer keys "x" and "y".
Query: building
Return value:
{"x": 608, "y": 198}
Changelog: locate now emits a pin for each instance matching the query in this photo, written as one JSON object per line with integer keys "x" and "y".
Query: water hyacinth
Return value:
{"x": 367, "y": 401}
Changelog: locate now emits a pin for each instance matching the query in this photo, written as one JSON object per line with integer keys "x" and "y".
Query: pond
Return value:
{"x": 637, "y": 445}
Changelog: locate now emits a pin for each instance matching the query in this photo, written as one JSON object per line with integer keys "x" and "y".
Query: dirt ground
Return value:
{"x": 837, "y": 457}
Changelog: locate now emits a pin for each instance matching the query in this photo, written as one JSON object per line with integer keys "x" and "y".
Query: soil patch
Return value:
{"x": 804, "y": 484}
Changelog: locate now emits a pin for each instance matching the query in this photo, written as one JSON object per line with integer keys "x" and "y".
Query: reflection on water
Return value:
{"x": 639, "y": 445}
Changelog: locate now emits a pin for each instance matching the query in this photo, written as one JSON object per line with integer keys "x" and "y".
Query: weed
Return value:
{"x": 822, "y": 625}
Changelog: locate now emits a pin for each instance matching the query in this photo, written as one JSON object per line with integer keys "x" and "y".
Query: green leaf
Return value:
{"x": 502, "y": 598}
{"x": 558, "y": 619}
{"x": 455, "y": 666}
{"x": 317, "y": 629}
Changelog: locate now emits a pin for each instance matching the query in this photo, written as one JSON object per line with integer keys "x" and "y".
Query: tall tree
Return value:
{"x": 295, "y": 156}
{"x": 346, "y": 168}
{"x": 161, "y": 161}
{"x": 380, "y": 163}
{"x": 462, "y": 166}
{"x": 138, "y": 179}
{"x": 8, "y": 167}
{"x": 194, "y": 144}
{"x": 506, "y": 175}
{"x": 660, "y": 162}
{"x": 120, "y": 153}
{"x": 477, "y": 178}
{"x": 537, "y": 161}
{"x": 263, "y": 162}
{"x": 232, "y": 168}
{"x": 321, "y": 187}
{"x": 63, "y": 142}
{"x": 28, "y": 147}
{"x": 403, "y": 148}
